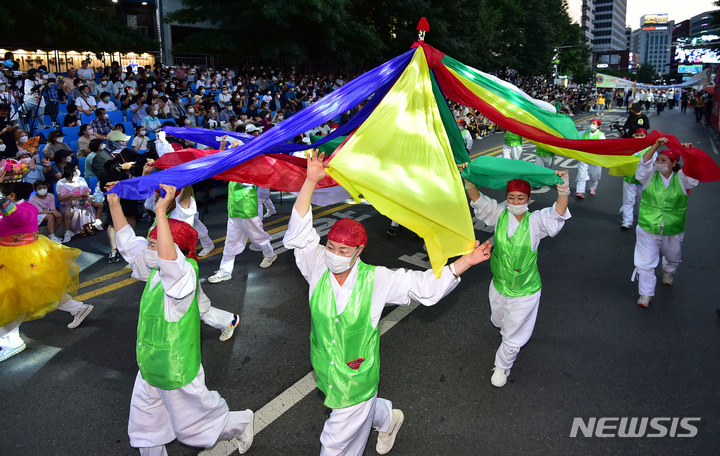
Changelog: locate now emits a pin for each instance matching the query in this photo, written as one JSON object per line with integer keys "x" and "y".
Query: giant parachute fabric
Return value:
{"x": 402, "y": 147}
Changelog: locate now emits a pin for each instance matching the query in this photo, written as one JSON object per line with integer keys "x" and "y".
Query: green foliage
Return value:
{"x": 646, "y": 73}
{"x": 62, "y": 24}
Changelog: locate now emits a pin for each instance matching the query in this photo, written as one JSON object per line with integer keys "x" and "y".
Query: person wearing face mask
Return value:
{"x": 661, "y": 219}
{"x": 140, "y": 142}
{"x": 170, "y": 399}
{"x": 75, "y": 203}
{"x": 244, "y": 223}
{"x": 515, "y": 287}
{"x": 224, "y": 97}
{"x": 106, "y": 103}
{"x": 347, "y": 298}
{"x": 226, "y": 114}
{"x": 47, "y": 212}
{"x": 101, "y": 124}
{"x": 38, "y": 273}
{"x": 56, "y": 143}
{"x": 587, "y": 172}
{"x": 632, "y": 188}
{"x": 191, "y": 116}
{"x": 152, "y": 122}
{"x": 85, "y": 135}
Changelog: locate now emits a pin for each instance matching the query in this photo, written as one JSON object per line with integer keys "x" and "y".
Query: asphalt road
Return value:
{"x": 594, "y": 352}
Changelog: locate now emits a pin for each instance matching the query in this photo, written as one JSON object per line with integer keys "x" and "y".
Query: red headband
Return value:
{"x": 183, "y": 235}
{"x": 349, "y": 232}
{"x": 597, "y": 121}
{"x": 518, "y": 185}
{"x": 641, "y": 131}
{"x": 671, "y": 154}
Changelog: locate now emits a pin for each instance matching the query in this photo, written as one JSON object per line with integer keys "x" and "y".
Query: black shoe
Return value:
{"x": 114, "y": 257}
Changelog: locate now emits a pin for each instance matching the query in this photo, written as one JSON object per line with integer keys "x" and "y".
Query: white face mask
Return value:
{"x": 151, "y": 258}
{"x": 338, "y": 264}
{"x": 662, "y": 168}
{"x": 42, "y": 192}
{"x": 593, "y": 127}
{"x": 517, "y": 209}
{"x": 191, "y": 110}
{"x": 60, "y": 139}
{"x": 2, "y": 147}
{"x": 104, "y": 146}
{"x": 89, "y": 131}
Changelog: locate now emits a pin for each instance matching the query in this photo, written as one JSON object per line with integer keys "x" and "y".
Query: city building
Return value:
{"x": 582, "y": 12}
{"x": 653, "y": 40}
{"x": 702, "y": 24}
{"x": 609, "y": 25}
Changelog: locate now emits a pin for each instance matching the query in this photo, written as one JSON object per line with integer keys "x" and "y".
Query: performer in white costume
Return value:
{"x": 632, "y": 189}
{"x": 661, "y": 219}
{"x": 587, "y": 172}
{"x": 347, "y": 298}
{"x": 170, "y": 400}
{"x": 516, "y": 287}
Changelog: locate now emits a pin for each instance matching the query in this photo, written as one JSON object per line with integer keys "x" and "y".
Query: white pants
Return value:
{"x": 648, "y": 248}
{"x": 512, "y": 152}
{"x": 631, "y": 195}
{"x": 264, "y": 199}
{"x": 239, "y": 230}
{"x": 516, "y": 319}
{"x": 547, "y": 162}
{"x": 202, "y": 231}
{"x": 586, "y": 172}
{"x": 212, "y": 316}
{"x": 10, "y": 334}
{"x": 347, "y": 430}
{"x": 192, "y": 414}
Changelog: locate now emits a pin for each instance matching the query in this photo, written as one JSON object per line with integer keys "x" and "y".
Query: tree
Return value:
{"x": 81, "y": 24}
{"x": 646, "y": 73}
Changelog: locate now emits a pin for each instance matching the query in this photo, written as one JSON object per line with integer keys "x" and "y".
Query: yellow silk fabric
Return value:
{"x": 400, "y": 160}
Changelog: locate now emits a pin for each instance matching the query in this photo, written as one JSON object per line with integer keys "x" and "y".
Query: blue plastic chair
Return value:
{"x": 86, "y": 119}
{"x": 92, "y": 182}
{"x": 116, "y": 117}
{"x": 62, "y": 108}
{"x": 72, "y": 132}
{"x": 81, "y": 165}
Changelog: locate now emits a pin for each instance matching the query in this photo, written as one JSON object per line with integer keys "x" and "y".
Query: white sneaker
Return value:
{"x": 644, "y": 301}
{"x": 206, "y": 251}
{"x": 54, "y": 238}
{"x": 667, "y": 278}
{"x": 626, "y": 226}
{"x": 267, "y": 261}
{"x": 6, "y": 353}
{"x": 386, "y": 440}
{"x": 246, "y": 439}
{"x": 270, "y": 213}
{"x": 499, "y": 377}
{"x": 97, "y": 224}
{"x": 66, "y": 238}
{"x": 219, "y": 276}
{"x": 85, "y": 309}
{"x": 229, "y": 330}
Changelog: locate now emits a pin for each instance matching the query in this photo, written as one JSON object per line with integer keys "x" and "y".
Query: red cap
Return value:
{"x": 463, "y": 123}
{"x": 641, "y": 130}
{"x": 518, "y": 185}
{"x": 334, "y": 126}
{"x": 349, "y": 232}
{"x": 597, "y": 121}
{"x": 672, "y": 155}
{"x": 183, "y": 235}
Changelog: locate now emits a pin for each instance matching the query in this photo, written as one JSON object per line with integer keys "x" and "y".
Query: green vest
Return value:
{"x": 631, "y": 178}
{"x": 338, "y": 339}
{"x": 513, "y": 263}
{"x": 511, "y": 139}
{"x": 242, "y": 201}
{"x": 541, "y": 152}
{"x": 168, "y": 353}
{"x": 663, "y": 209}
{"x": 592, "y": 135}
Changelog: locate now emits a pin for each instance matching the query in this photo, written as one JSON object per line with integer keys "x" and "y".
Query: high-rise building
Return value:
{"x": 652, "y": 41}
{"x": 581, "y": 12}
{"x": 609, "y": 25}
{"x": 702, "y": 24}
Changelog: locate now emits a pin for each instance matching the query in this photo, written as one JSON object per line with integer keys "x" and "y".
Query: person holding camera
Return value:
{"x": 635, "y": 120}
{"x": 33, "y": 102}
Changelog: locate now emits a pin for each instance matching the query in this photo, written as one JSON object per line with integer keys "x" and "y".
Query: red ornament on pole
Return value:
{"x": 422, "y": 27}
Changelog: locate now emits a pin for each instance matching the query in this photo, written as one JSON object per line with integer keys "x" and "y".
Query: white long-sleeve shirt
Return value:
{"x": 645, "y": 171}
{"x": 542, "y": 223}
{"x": 177, "y": 276}
{"x": 398, "y": 286}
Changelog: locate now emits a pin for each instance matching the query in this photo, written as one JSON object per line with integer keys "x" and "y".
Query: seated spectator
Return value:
{"x": 106, "y": 103}
{"x": 55, "y": 144}
{"x": 151, "y": 122}
{"x": 67, "y": 84}
{"x": 95, "y": 146}
{"x": 47, "y": 212}
{"x": 75, "y": 198}
{"x": 55, "y": 173}
{"x": 224, "y": 97}
{"x": 275, "y": 103}
{"x": 176, "y": 109}
{"x": 138, "y": 109}
{"x": 226, "y": 114}
{"x": 211, "y": 119}
{"x": 231, "y": 124}
{"x": 103, "y": 86}
{"x": 184, "y": 121}
{"x": 140, "y": 143}
{"x": 85, "y": 135}
{"x": 130, "y": 83}
{"x": 101, "y": 125}
{"x": 72, "y": 118}
{"x": 163, "y": 107}
{"x": 85, "y": 102}
{"x": 86, "y": 74}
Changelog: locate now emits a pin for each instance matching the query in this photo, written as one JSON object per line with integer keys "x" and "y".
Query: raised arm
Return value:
{"x": 165, "y": 243}
{"x": 651, "y": 151}
{"x": 563, "y": 193}
{"x": 315, "y": 173}
{"x": 116, "y": 211}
